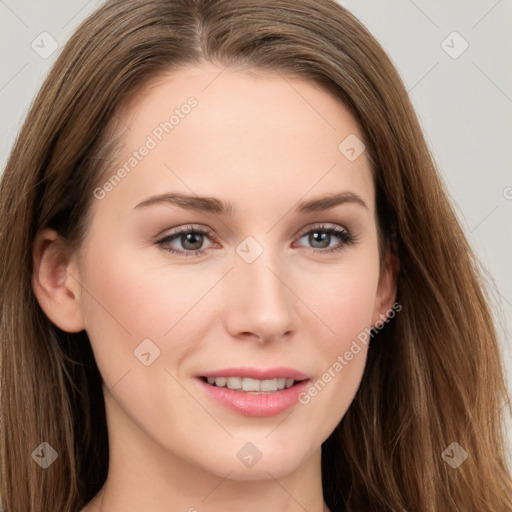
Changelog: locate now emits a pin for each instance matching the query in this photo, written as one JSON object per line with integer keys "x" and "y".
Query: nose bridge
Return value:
{"x": 261, "y": 303}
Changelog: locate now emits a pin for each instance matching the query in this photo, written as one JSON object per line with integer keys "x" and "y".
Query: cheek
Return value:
{"x": 130, "y": 299}
{"x": 343, "y": 298}
{"x": 345, "y": 305}
{"x": 143, "y": 300}
{"x": 122, "y": 304}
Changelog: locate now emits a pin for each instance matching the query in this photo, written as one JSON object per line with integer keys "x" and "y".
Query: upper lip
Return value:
{"x": 258, "y": 373}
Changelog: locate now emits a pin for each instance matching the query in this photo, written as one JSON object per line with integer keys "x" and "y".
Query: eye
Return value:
{"x": 320, "y": 238}
{"x": 190, "y": 238}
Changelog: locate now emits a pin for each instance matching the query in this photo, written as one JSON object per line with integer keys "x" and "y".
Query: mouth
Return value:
{"x": 249, "y": 396}
{"x": 250, "y": 385}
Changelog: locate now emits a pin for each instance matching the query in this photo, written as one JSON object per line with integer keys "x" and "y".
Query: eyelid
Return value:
{"x": 321, "y": 226}
{"x": 170, "y": 232}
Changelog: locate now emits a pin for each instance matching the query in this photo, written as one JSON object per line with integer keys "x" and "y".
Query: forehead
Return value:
{"x": 237, "y": 133}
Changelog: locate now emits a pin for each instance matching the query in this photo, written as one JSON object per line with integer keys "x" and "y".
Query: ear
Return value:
{"x": 386, "y": 288}
{"x": 55, "y": 282}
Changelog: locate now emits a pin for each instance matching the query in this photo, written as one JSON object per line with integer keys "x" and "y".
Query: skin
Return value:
{"x": 264, "y": 143}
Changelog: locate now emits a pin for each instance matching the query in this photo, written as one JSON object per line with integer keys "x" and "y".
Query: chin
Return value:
{"x": 274, "y": 462}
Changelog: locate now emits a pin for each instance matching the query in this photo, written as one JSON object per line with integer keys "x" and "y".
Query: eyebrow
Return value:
{"x": 219, "y": 207}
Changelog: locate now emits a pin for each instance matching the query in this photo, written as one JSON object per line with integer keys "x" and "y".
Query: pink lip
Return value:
{"x": 262, "y": 404}
{"x": 259, "y": 373}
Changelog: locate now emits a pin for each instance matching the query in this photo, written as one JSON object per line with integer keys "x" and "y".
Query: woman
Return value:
{"x": 233, "y": 279}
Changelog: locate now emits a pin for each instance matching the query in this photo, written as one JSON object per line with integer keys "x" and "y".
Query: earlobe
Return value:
{"x": 386, "y": 291}
{"x": 55, "y": 282}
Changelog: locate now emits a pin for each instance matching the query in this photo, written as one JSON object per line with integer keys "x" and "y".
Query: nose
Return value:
{"x": 260, "y": 305}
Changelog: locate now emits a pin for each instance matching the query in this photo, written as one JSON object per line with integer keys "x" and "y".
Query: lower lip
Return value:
{"x": 256, "y": 404}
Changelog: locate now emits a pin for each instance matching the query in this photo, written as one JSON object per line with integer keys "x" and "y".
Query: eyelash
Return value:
{"x": 343, "y": 234}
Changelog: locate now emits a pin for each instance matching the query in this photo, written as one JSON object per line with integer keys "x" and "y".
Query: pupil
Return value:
{"x": 319, "y": 237}
{"x": 192, "y": 238}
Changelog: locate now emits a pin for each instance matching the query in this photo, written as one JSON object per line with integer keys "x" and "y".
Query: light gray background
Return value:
{"x": 464, "y": 103}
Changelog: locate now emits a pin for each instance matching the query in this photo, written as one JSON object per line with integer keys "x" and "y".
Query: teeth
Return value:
{"x": 232, "y": 382}
{"x": 220, "y": 381}
{"x": 268, "y": 385}
{"x": 251, "y": 385}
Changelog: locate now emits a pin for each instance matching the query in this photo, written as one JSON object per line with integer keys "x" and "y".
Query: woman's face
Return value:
{"x": 264, "y": 281}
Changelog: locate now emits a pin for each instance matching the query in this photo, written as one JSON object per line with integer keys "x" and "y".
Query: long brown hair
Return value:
{"x": 433, "y": 375}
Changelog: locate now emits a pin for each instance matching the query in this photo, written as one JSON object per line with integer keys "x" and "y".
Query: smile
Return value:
{"x": 250, "y": 385}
